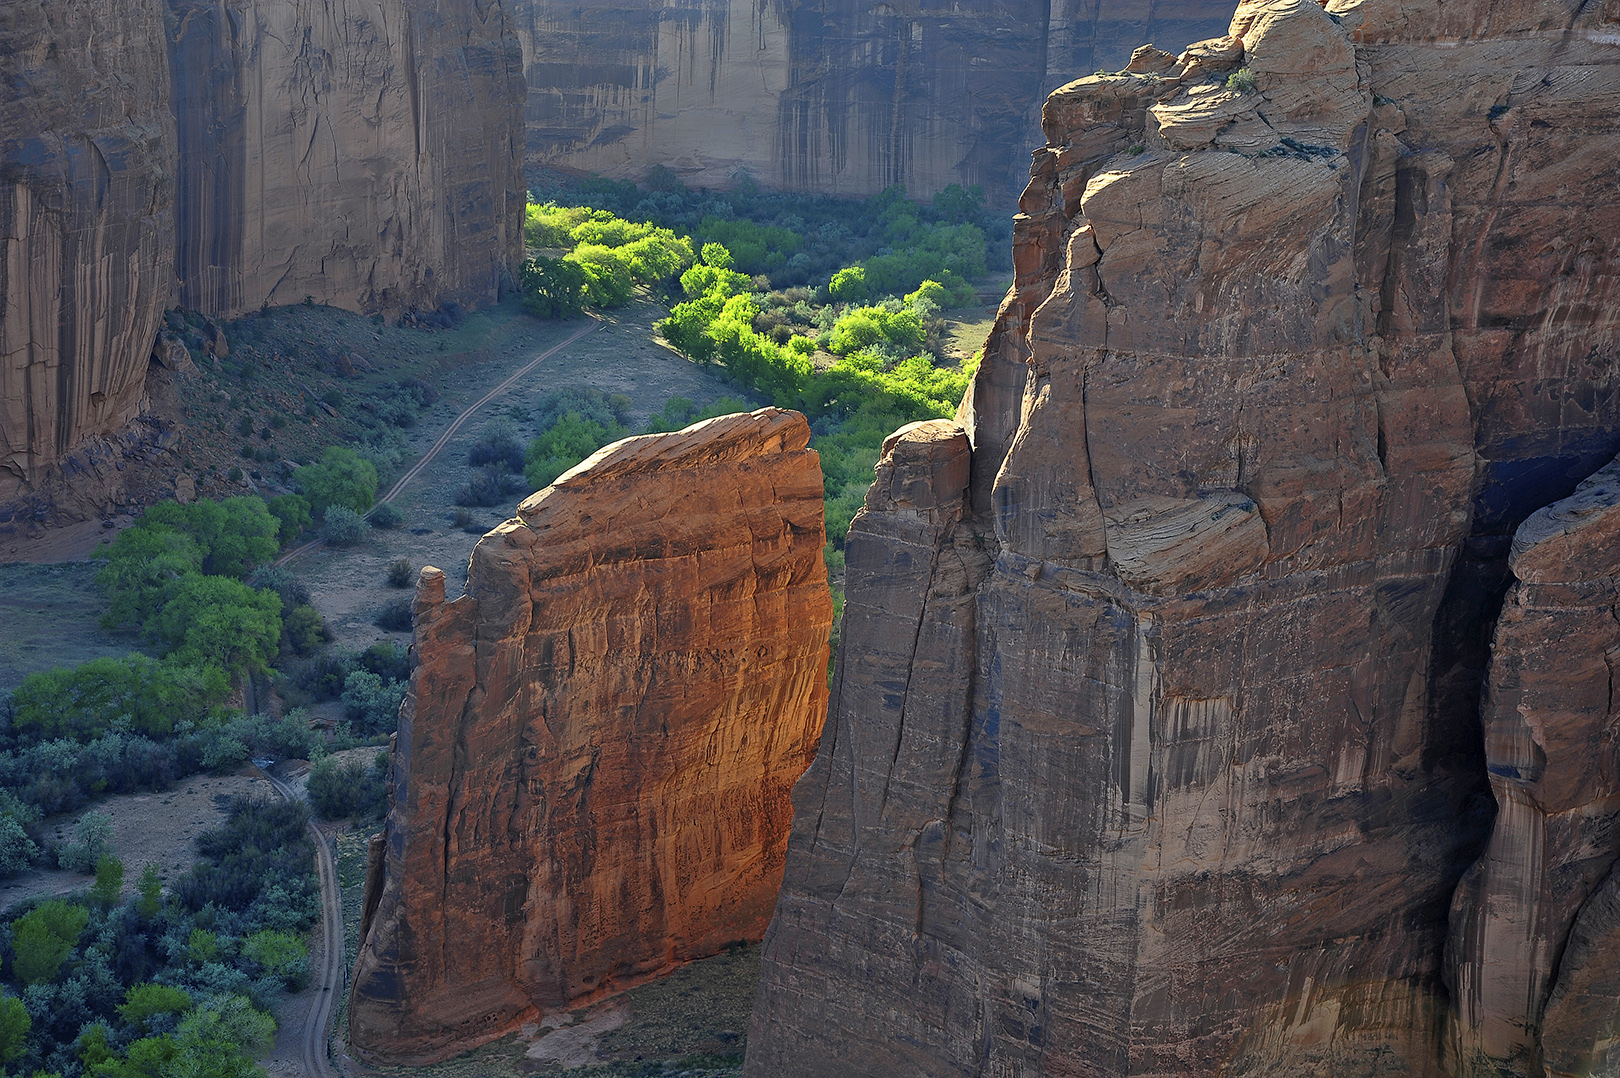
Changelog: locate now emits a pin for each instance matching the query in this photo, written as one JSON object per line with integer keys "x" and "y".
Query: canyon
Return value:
{"x": 593, "y": 768}
{"x": 1155, "y": 744}
{"x": 846, "y": 97}
{"x": 223, "y": 158}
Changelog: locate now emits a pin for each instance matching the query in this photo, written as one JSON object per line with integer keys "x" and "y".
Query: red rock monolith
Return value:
{"x": 594, "y": 765}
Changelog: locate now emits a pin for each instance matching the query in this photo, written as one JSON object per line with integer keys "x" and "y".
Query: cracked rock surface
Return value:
{"x": 593, "y": 769}
{"x": 1163, "y": 751}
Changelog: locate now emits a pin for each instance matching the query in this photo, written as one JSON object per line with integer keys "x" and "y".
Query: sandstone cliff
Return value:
{"x": 87, "y": 162}
{"x": 845, "y": 97}
{"x": 594, "y": 764}
{"x": 221, "y": 157}
{"x": 366, "y": 153}
{"x": 1154, "y": 747}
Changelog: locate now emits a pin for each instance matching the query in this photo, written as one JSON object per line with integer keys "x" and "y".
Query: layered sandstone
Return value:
{"x": 1154, "y": 746}
{"x": 594, "y": 764}
{"x": 363, "y": 153}
{"x": 844, "y": 98}
{"x": 87, "y": 165}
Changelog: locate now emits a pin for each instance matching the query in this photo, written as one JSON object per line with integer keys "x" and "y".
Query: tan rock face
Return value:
{"x": 86, "y": 216}
{"x": 1162, "y": 755}
{"x": 846, "y": 97}
{"x": 366, "y": 153}
{"x": 594, "y": 764}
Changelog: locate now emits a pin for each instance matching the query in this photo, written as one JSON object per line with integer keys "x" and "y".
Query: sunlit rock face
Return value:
{"x": 1155, "y": 746}
{"x": 87, "y": 166}
{"x": 594, "y": 765}
{"x": 366, "y": 153}
{"x": 844, "y": 97}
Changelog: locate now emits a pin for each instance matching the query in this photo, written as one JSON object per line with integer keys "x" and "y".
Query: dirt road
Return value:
{"x": 327, "y": 979}
{"x": 451, "y": 431}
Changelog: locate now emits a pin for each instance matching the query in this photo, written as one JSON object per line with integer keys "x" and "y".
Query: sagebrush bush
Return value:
{"x": 401, "y": 573}
{"x": 386, "y": 516}
{"x": 395, "y": 617}
{"x": 343, "y": 526}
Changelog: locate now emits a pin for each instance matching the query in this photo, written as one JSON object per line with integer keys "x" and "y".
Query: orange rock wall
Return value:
{"x": 595, "y": 761}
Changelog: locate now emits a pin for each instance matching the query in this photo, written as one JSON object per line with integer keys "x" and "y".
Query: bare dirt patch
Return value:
{"x": 157, "y": 828}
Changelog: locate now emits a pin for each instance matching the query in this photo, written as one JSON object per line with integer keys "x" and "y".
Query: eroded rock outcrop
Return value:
{"x": 1535, "y": 944}
{"x": 1159, "y": 753}
{"x": 594, "y": 764}
{"x": 87, "y": 164}
{"x": 846, "y": 97}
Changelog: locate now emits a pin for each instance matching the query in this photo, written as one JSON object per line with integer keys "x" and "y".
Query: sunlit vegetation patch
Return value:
{"x": 827, "y": 306}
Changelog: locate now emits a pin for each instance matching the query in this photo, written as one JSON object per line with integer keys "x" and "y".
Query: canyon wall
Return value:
{"x": 846, "y": 97}
{"x": 87, "y": 168}
{"x": 1155, "y": 745}
{"x": 594, "y": 764}
{"x": 366, "y": 153}
{"x": 222, "y": 157}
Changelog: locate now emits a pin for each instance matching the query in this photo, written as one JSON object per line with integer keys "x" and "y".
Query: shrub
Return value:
{"x": 217, "y": 621}
{"x": 499, "y": 442}
{"x": 351, "y": 790}
{"x": 343, "y": 526}
{"x": 385, "y": 516}
{"x": 303, "y": 630}
{"x": 281, "y": 954}
{"x": 109, "y": 883}
{"x": 387, "y": 660}
{"x": 140, "y": 693}
{"x": 492, "y": 486}
{"x": 144, "y": 1002}
{"x": 293, "y": 592}
{"x": 92, "y": 841}
{"x": 401, "y": 573}
{"x": 371, "y": 702}
{"x": 17, "y": 850}
{"x": 395, "y": 617}
{"x": 341, "y": 478}
{"x": 1241, "y": 80}
{"x": 42, "y": 939}
{"x": 564, "y": 444}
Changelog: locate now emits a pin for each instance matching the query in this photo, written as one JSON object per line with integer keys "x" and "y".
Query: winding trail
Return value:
{"x": 329, "y": 978}
{"x": 450, "y": 432}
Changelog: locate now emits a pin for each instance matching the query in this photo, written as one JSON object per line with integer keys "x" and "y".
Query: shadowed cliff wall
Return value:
{"x": 365, "y": 153}
{"x": 846, "y": 97}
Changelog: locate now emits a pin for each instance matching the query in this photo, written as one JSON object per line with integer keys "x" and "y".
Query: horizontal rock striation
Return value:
{"x": 594, "y": 765}
{"x": 1154, "y": 747}
{"x": 846, "y": 97}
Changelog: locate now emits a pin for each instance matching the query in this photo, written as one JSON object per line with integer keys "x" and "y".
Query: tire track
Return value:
{"x": 450, "y": 432}
{"x": 329, "y": 982}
